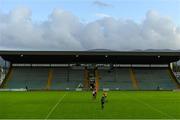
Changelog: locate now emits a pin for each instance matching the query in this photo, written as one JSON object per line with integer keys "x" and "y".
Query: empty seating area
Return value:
{"x": 60, "y": 76}
{"x": 118, "y": 78}
{"x": 68, "y": 78}
{"x": 33, "y": 78}
{"x": 154, "y": 78}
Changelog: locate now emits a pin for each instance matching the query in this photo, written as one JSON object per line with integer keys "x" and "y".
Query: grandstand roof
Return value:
{"x": 114, "y": 57}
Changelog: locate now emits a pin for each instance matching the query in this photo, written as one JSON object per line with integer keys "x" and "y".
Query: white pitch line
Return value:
{"x": 54, "y": 107}
{"x": 153, "y": 108}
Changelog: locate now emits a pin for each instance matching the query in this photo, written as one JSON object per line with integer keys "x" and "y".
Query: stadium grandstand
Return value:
{"x": 80, "y": 70}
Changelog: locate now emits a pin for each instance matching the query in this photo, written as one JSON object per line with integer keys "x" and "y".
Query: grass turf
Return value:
{"x": 120, "y": 105}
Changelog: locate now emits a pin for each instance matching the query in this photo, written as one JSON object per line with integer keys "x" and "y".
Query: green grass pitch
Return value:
{"x": 69, "y": 105}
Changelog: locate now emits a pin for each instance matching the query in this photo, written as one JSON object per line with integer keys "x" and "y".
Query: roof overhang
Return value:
{"x": 97, "y": 57}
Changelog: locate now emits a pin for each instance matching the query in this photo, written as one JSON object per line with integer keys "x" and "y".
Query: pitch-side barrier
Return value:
{"x": 22, "y": 89}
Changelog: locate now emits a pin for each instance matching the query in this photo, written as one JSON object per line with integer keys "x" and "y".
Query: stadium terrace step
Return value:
{"x": 97, "y": 79}
{"x": 7, "y": 78}
{"x": 133, "y": 78}
{"x": 173, "y": 78}
{"x": 50, "y": 76}
{"x": 86, "y": 79}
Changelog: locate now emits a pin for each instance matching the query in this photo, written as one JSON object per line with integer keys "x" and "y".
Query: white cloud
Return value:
{"x": 102, "y": 15}
{"x": 64, "y": 31}
{"x": 101, "y": 4}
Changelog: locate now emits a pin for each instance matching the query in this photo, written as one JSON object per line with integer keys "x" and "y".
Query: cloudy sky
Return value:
{"x": 89, "y": 24}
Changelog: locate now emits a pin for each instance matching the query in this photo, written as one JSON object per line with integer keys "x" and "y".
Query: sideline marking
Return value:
{"x": 54, "y": 107}
{"x": 151, "y": 107}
